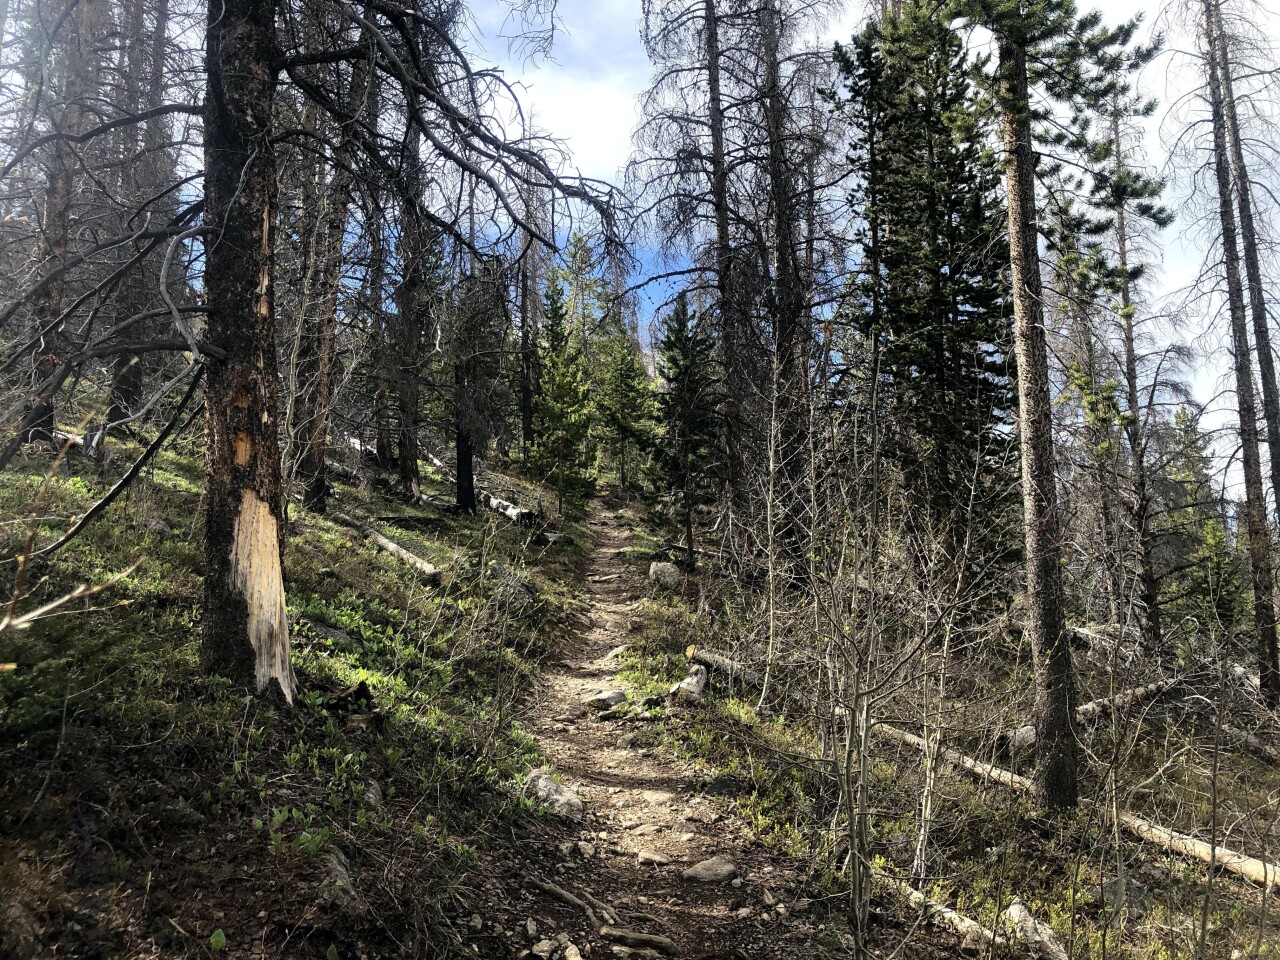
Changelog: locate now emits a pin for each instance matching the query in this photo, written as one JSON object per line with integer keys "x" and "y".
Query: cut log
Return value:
{"x": 986, "y": 771}
{"x": 971, "y": 930}
{"x": 1024, "y": 738}
{"x": 429, "y": 572}
{"x": 1259, "y": 871}
{"x": 690, "y": 688}
{"x": 730, "y": 668}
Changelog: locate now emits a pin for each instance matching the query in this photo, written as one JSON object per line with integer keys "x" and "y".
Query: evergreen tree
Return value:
{"x": 621, "y": 407}
{"x": 561, "y": 409}
{"x": 688, "y": 411}
{"x": 930, "y": 300}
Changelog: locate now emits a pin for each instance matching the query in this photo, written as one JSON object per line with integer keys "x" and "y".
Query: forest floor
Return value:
{"x": 400, "y": 807}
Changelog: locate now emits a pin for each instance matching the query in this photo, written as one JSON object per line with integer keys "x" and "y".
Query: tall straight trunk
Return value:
{"x": 246, "y": 635}
{"x": 1249, "y": 249}
{"x": 413, "y": 306}
{"x": 730, "y": 318}
{"x": 528, "y": 357}
{"x": 76, "y": 69}
{"x": 790, "y": 328}
{"x": 1264, "y": 611}
{"x": 319, "y": 339}
{"x": 1135, "y": 428}
{"x": 464, "y": 447}
{"x": 1055, "y": 774}
{"x": 380, "y": 350}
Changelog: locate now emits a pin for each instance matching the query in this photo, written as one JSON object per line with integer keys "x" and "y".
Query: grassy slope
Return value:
{"x": 994, "y": 845}
{"x": 149, "y": 810}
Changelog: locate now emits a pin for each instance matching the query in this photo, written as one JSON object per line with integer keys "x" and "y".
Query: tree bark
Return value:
{"x": 1135, "y": 428}
{"x": 245, "y": 633}
{"x": 1249, "y": 251}
{"x": 76, "y": 68}
{"x": 791, "y": 331}
{"x": 1055, "y": 774}
{"x": 1264, "y": 612}
{"x": 319, "y": 335}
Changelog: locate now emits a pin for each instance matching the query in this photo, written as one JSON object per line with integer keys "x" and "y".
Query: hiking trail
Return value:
{"x": 645, "y": 822}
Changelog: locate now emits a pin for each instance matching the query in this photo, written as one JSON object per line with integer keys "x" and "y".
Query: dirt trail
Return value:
{"x": 643, "y": 806}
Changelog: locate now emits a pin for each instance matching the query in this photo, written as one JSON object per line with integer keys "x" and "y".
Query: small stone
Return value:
{"x": 736, "y": 882}
{"x": 373, "y": 793}
{"x": 647, "y": 829}
{"x": 476, "y": 922}
{"x": 717, "y": 869}
{"x": 544, "y": 949}
{"x": 337, "y": 889}
{"x": 664, "y": 574}
{"x": 571, "y": 952}
{"x": 654, "y": 857}
{"x": 558, "y": 798}
{"x": 586, "y": 849}
{"x": 606, "y": 699}
{"x": 769, "y": 898}
{"x": 531, "y": 925}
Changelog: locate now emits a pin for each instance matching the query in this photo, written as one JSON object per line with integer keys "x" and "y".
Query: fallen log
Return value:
{"x": 1024, "y": 737}
{"x": 1038, "y": 937}
{"x": 633, "y": 938}
{"x": 520, "y": 515}
{"x": 987, "y": 771}
{"x": 429, "y": 572}
{"x": 1259, "y": 871}
{"x": 971, "y": 930}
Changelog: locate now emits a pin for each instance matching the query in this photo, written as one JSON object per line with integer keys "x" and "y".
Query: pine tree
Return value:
{"x": 561, "y": 410}
{"x": 621, "y": 405}
{"x": 688, "y": 412}
{"x": 1069, "y": 61}
{"x": 931, "y": 291}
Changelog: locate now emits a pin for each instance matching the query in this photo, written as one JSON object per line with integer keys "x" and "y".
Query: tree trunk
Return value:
{"x": 528, "y": 356}
{"x": 1055, "y": 775}
{"x": 1249, "y": 250}
{"x": 1264, "y": 613}
{"x": 319, "y": 336}
{"x": 413, "y": 307}
{"x": 76, "y": 68}
{"x": 246, "y": 635}
{"x": 1135, "y": 429}
{"x": 790, "y": 327}
{"x": 730, "y": 320}
{"x": 463, "y": 445}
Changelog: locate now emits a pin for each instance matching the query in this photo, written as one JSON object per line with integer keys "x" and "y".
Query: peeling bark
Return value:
{"x": 245, "y": 632}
